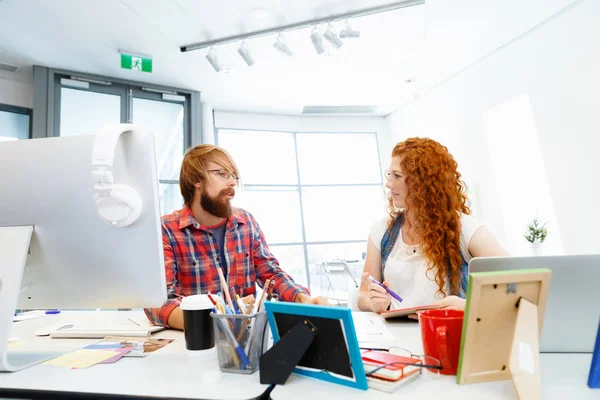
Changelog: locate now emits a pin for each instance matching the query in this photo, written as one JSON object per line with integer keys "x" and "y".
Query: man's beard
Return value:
{"x": 219, "y": 206}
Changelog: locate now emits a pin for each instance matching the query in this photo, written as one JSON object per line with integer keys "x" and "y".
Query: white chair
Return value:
{"x": 339, "y": 282}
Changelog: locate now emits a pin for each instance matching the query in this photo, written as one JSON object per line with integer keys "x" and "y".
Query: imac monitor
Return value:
{"x": 72, "y": 258}
{"x": 572, "y": 312}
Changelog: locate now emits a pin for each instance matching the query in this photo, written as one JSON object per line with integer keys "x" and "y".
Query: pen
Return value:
{"x": 262, "y": 296}
{"x": 233, "y": 341}
{"x": 391, "y": 292}
{"x": 224, "y": 287}
{"x": 54, "y": 312}
{"x": 234, "y": 302}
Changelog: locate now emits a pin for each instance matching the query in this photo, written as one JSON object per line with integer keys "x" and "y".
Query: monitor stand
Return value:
{"x": 14, "y": 247}
{"x": 525, "y": 353}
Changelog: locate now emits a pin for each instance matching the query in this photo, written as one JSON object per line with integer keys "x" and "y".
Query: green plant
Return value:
{"x": 536, "y": 231}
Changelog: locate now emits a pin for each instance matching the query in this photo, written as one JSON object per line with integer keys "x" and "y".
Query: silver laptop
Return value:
{"x": 573, "y": 308}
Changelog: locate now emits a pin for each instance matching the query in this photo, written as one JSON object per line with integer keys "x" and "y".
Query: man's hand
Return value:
{"x": 380, "y": 299}
{"x": 302, "y": 298}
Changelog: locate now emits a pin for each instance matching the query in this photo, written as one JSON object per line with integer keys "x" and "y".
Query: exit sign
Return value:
{"x": 136, "y": 63}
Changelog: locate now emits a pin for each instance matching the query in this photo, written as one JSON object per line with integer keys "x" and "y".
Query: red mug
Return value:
{"x": 441, "y": 332}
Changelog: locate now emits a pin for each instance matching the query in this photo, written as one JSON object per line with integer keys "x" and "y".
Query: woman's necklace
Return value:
{"x": 409, "y": 249}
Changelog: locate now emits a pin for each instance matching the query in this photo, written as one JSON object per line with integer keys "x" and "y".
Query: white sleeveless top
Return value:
{"x": 406, "y": 266}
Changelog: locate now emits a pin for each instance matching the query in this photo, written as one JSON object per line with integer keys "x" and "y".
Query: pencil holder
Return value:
{"x": 239, "y": 341}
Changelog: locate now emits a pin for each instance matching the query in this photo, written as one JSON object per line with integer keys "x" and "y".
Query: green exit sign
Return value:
{"x": 136, "y": 63}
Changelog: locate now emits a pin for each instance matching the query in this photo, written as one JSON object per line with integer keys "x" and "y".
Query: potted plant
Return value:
{"x": 535, "y": 234}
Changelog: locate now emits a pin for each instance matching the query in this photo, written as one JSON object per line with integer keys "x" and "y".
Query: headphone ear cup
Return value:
{"x": 120, "y": 207}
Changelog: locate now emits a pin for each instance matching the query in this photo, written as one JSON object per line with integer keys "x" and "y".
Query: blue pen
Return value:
{"x": 391, "y": 292}
{"x": 234, "y": 303}
{"x": 52, "y": 311}
{"x": 233, "y": 341}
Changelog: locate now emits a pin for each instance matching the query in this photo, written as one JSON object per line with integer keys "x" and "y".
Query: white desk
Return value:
{"x": 173, "y": 372}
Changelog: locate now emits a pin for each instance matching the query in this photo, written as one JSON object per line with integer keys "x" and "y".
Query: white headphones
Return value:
{"x": 118, "y": 205}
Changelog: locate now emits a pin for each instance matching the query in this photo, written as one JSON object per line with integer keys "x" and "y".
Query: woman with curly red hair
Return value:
{"x": 422, "y": 249}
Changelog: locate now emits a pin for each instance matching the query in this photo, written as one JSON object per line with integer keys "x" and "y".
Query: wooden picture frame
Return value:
{"x": 502, "y": 327}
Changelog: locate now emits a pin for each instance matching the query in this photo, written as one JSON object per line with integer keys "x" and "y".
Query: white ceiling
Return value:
{"x": 85, "y": 35}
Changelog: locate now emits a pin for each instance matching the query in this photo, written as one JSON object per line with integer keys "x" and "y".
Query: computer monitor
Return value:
{"x": 74, "y": 259}
{"x": 572, "y": 312}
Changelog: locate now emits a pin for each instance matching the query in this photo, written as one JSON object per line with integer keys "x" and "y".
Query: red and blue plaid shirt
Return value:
{"x": 191, "y": 259}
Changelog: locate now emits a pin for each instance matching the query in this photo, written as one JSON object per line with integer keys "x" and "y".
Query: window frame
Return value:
{"x": 20, "y": 110}
{"x": 299, "y": 186}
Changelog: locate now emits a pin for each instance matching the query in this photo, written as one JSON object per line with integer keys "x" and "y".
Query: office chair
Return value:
{"x": 337, "y": 276}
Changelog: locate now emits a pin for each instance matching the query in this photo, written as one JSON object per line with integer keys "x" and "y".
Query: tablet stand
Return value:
{"x": 279, "y": 361}
{"x": 14, "y": 247}
{"x": 524, "y": 358}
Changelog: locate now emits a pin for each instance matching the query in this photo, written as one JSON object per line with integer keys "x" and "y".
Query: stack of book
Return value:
{"x": 391, "y": 376}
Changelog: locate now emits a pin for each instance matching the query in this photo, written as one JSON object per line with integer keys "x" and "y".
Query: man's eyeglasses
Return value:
{"x": 225, "y": 174}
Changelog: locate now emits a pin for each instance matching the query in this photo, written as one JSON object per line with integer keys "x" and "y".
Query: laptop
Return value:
{"x": 573, "y": 308}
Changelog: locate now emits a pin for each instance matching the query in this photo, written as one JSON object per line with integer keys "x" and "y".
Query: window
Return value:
{"x": 165, "y": 113}
{"x": 313, "y": 201}
{"x": 15, "y": 123}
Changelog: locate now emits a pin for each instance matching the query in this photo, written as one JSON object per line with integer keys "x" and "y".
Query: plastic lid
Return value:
{"x": 196, "y": 302}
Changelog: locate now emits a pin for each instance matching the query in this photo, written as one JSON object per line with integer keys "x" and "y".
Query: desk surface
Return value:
{"x": 175, "y": 372}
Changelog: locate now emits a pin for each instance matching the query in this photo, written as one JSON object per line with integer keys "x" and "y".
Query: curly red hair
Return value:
{"x": 436, "y": 197}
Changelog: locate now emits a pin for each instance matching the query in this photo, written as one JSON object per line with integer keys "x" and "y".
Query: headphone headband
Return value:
{"x": 118, "y": 205}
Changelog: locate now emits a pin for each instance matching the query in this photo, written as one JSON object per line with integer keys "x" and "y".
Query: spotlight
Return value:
{"x": 213, "y": 59}
{"x": 282, "y": 46}
{"x": 349, "y": 33}
{"x": 245, "y": 54}
{"x": 315, "y": 36}
{"x": 332, "y": 37}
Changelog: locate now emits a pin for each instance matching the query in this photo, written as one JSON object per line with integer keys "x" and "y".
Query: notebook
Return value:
{"x": 374, "y": 359}
{"x": 389, "y": 386}
{"x": 403, "y": 312}
{"x": 100, "y": 332}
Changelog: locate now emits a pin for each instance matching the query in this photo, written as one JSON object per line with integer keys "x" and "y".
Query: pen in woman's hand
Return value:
{"x": 391, "y": 292}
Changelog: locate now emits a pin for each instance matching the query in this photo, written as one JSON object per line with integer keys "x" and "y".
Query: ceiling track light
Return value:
{"x": 395, "y": 5}
{"x": 349, "y": 33}
{"x": 282, "y": 46}
{"x": 244, "y": 52}
{"x": 213, "y": 59}
{"x": 332, "y": 37}
{"x": 317, "y": 41}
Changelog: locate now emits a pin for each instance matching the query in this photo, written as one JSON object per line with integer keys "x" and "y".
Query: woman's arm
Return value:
{"x": 378, "y": 300}
{"x": 484, "y": 244}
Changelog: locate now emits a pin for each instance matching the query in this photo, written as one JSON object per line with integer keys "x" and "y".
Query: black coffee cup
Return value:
{"x": 197, "y": 323}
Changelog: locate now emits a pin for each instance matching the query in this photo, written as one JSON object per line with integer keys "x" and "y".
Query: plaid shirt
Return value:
{"x": 191, "y": 259}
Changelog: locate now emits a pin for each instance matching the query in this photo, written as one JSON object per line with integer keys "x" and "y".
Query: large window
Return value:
{"x": 15, "y": 123}
{"x": 164, "y": 113}
{"x": 315, "y": 195}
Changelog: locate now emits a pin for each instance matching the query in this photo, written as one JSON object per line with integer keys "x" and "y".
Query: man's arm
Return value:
{"x": 162, "y": 315}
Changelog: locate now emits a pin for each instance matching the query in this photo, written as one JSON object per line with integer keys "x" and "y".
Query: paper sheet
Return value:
{"x": 82, "y": 358}
{"x": 371, "y": 328}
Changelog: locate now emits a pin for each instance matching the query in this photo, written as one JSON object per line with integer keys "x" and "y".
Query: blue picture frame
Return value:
{"x": 359, "y": 380}
{"x": 594, "y": 379}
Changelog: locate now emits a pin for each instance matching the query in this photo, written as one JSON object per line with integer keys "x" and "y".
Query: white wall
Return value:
{"x": 297, "y": 123}
{"x": 556, "y": 67}
{"x": 15, "y": 93}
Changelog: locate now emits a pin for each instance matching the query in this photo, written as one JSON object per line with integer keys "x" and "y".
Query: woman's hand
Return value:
{"x": 380, "y": 299}
{"x": 451, "y": 303}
